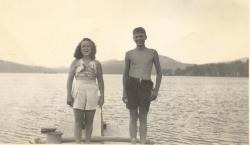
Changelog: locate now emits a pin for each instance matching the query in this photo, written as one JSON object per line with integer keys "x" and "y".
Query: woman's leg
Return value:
{"x": 89, "y": 117}
{"x": 79, "y": 118}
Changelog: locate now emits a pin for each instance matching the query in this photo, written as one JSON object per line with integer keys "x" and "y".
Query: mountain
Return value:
{"x": 113, "y": 67}
{"x": 237, "y": 68}
{"x": 7, "y": 67}
{"x": 169, "y": 67}
{"x": 244, "y": 59}
{"x": 169, "y": 63}
{"x": 117, "y": 66}
{"x": 109, "y": 67}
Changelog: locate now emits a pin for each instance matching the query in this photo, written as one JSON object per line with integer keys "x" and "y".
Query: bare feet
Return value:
{"x": 133, "y": 141}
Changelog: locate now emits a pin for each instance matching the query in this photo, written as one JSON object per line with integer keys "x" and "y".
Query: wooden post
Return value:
{"x": 97, "y": 123}
{"x": 52, "y": 136}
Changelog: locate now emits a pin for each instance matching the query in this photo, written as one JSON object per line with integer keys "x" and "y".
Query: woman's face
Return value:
{"x": 86, "y": 48}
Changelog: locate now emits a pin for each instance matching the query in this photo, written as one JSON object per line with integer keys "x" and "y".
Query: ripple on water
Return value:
{"x": 188, "y": 110}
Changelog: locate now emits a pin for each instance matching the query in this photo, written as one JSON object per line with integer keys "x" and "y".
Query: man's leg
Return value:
{"x": 143, "y": 125}
{"x": 144, "y": 93}
{"x": 133, "y": 124}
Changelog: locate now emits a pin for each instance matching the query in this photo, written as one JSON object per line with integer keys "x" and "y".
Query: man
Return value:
{"x": 138, "y": 89}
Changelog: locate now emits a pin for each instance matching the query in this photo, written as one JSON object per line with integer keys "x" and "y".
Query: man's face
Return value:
{"x": 139, "y": 38}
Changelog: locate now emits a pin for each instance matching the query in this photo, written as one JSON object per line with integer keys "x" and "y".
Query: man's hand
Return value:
{"x": 70, "y": 101}
{"x": 125, "y": 98}
{"x": 101, "y": 101}
{"x": 154, "y": 95}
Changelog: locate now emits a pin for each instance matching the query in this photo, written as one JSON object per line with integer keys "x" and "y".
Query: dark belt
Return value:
{"x": 138, "y": 79}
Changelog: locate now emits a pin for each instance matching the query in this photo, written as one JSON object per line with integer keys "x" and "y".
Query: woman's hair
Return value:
{"x": 78, "y": 53}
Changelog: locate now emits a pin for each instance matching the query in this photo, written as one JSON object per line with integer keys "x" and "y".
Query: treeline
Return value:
{"x": 232, "y": 69}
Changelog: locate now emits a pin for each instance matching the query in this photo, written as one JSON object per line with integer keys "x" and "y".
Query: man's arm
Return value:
{"x": 125, "y": 78}
{"x": 158, "y": 76}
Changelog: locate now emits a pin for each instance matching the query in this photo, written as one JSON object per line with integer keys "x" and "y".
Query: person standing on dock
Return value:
{"x": 83, "y": 97}
{"x": 138, "y": 90}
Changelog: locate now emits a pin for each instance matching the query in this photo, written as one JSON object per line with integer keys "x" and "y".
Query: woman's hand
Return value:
{"x": 70, "y": 101}
{"x": 101, "y": 101}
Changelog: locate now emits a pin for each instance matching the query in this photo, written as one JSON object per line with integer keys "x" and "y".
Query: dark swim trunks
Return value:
{"x": 138, "y": 93}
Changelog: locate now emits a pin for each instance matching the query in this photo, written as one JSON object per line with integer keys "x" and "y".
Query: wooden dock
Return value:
{"x": 112, "y": 135}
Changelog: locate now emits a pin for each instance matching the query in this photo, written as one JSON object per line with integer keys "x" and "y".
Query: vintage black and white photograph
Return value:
{"x": 172, "y": 72}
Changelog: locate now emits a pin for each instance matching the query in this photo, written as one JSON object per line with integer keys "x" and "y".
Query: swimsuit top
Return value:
{"x": 85, "y": 71}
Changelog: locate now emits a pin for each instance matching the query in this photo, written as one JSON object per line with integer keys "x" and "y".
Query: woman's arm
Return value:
{"x": 100, "y": 82}
{"x": 71, "y": 74}
{"x": 125, "y": 78}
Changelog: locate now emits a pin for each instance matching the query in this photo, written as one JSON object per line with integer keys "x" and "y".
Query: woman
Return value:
{"x": 83, "y": 97}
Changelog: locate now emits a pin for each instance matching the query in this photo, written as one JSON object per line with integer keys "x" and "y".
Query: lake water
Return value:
{"x": 188, "y": 110}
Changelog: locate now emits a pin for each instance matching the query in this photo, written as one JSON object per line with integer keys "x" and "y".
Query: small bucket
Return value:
{"x": 54, "y": 137}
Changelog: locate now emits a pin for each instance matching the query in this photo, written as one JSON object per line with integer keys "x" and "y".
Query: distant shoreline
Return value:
{"x": 121, "y": 74}
{"x": 169, "y": 66}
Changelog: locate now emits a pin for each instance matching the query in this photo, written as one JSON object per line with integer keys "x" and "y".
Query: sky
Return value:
{"x": 46, "y": 32}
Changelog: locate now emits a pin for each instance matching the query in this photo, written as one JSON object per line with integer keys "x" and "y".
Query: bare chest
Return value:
{"x": 141, "y": 58}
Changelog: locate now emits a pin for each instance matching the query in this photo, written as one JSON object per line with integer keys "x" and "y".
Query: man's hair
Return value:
{"x": 139, "y": 30}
